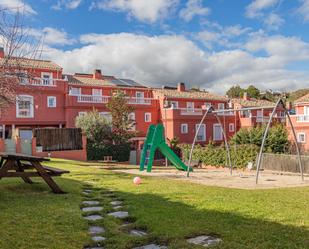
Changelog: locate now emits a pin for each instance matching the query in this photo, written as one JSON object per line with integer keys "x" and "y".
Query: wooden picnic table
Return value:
{"x": 25, "y": 166}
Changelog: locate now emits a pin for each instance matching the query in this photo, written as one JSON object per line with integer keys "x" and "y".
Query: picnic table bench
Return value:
{"x": 17, "y": 165}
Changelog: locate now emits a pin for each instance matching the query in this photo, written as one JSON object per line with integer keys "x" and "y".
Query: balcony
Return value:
{"x": 302, "y": 118}
{"x": 93, "y": 99}
{"x": 36, "y": 81}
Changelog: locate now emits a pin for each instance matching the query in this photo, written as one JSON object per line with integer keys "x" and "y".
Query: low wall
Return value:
{"x": 79, "y": 155}
{"x": 2, "y": 145}
{"x": 285, "y": 163}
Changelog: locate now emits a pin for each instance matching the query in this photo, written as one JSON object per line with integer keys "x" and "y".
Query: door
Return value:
{"x": 97, "y": 95}
{"x": 26, "y": 141}
{"x": 259, "y": 116}
{"x": 218, "y": 136}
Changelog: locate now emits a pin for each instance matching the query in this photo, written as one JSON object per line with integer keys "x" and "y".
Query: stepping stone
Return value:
{"x": 91, "y": 203}
{"x": 98, "y": 238}
{"x": 117, "y": 207}
{"x": 119, "y": 214}
{"x": 116, "y": 203}
{"x": 204, "y": 240}
{"x": 93, "y": 230}
{"x": 86, "y": 193}
{"x": 93, "y": 217}
{"x": 92, "y": 209}
{"x": 88, "y": 190}
{"x": 137, "y": 233}
{"x": 151, "y": 246}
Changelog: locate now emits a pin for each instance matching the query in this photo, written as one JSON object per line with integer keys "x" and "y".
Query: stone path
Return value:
{"x": 204, "y": 240}
{"x": 92, "y": 211}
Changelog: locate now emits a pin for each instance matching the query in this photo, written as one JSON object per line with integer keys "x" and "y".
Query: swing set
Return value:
{"x": 279, "y": 104}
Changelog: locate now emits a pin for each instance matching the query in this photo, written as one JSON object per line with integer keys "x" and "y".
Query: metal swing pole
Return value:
{"x": 226, "y": 144}
{"x": 209, "y": 110}
{"x": 300, "y": 163}
{"x": 258, "y": 164}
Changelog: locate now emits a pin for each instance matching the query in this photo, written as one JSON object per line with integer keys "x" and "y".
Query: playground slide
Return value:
{"x": 172, "y": 157}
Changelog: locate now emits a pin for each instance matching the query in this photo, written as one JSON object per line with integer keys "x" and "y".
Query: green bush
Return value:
{"x": 217, "y": 155}
{"x": 120, "y": 153}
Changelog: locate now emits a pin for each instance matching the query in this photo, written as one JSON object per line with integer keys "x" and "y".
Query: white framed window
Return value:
{"x": 201, "y": 136}
{"x": 131, "y": 118}
{"x": 24, "y": 106}
{"x": 306, "y": 110}
{"x": 207, "y": 105}
{"x": 184, "y": 128}
{"x": 51, "y": 101}
{"x": 106, "y": 115}
{"x": 190, "y": 106}
{"x": 174, "y": 104}
{"x": 139, "y": 97}
{"x": 231, "y": 127}
{"x": 301, "y": 137}
{"x": 221, "y": 106}
{"x": 147, "y": 117}
{"x": 97, "y": 92}
{"x": 75, "y": 91}
{"x": 46, "y": 78}
{"x": 82, "y": 114}
{"x": 218, "y": 136}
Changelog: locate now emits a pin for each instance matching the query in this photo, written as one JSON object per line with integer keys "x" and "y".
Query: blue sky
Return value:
{"x": 212, "y": 44}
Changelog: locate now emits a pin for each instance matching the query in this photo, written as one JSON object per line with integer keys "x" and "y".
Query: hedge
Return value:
{"x": 120, "y": 153}
{"x": 217, "y": 155}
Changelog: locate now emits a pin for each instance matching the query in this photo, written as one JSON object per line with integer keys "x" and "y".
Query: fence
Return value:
{"x": 283, "y": 162}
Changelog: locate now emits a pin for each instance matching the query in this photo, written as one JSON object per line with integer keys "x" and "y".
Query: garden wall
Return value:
{"x": 285, "y": 163}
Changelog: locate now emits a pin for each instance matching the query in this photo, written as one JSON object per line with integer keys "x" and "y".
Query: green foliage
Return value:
{"x": 119, "y": 152}
{"x": 253, "y": 92}
{"x": 235, "y": 92}
{"x": 277, "y": 139}
{"x": 121, "y": 122}
{"x": 96, "y": 127}
{"x": 217, "y": 155}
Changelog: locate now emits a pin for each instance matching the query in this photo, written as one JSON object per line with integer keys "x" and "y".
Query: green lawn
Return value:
{"x": 32, "y": 217}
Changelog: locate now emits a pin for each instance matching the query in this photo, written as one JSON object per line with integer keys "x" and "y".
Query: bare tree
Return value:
{"x": 18, "y": 48}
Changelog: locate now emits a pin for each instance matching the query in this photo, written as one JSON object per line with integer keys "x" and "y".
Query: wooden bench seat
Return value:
{"x": 55, "y": 171}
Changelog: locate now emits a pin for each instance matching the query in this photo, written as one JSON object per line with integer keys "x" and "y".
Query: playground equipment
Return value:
{"x": 155, "y": 140}
{"x": 279, "y": 103}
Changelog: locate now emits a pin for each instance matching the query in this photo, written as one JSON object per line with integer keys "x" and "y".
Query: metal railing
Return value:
{"x": 83, "y": 98}
{"x": 36, "y": 81}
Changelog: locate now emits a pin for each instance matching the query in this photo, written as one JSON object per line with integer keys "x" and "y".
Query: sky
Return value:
{"x": 211, "y": 44}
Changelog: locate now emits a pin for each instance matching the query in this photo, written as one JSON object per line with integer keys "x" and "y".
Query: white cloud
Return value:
{"x": 52, "y": 36}
{"x": 273, "y": 21}
{"x": 145, "y": 11}
{"x": 304, "y": 10}
{"x": 254, "y": 9}
{"x": 158, "y": 60}
{"x": 17, "y": 6}
{"x": 193, "y": 8}
{"x": 67, "y": 4}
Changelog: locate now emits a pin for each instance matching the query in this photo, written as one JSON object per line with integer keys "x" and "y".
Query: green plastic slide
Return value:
{"x": 155, "y": 140}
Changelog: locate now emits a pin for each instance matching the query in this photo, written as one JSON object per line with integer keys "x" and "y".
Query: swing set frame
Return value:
{"x": 279, "y": 103}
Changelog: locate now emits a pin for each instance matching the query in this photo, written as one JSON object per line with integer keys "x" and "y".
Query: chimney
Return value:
{"x": 181, "y": 87}
{"x": 245, "y": 96}
{"x": 1, "y": 52}
{"x": 97, "y": 74}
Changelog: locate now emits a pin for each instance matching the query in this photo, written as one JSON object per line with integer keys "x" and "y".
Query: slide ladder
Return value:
{"x": 155, "y": 140}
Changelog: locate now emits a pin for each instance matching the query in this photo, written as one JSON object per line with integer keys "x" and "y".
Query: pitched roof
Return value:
{"x": 30, "y": 63}
{"x": 189, "y": 94}
{"x": 106, "y": 81}
{"x": 302, "y": 99}
{"x": 252, "y": 102}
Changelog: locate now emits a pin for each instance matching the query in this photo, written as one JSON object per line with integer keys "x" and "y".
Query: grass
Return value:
{"x": 171, "y": 211}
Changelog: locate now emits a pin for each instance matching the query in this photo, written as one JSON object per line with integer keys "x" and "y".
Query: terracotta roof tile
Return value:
{"x": 252, "y": 102}
{"x": 30, "y": 63}
{"x": 188, "y": 94}
{"x": 302, "y": 99}
{"x": 89, "y": 81}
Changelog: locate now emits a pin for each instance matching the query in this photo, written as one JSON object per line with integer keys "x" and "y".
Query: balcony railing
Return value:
{"x": 38, "y": 81}
{"x": 83, "y": 98}
{"x": 301, "y": 118}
